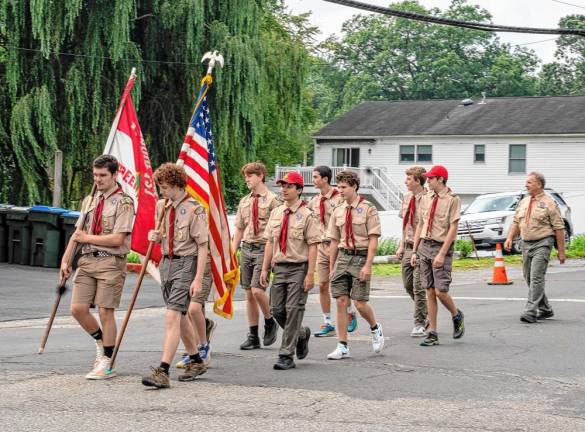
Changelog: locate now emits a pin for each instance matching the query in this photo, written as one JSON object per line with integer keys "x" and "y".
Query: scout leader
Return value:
{"x": 105, "y": 235}
{"x": 354, "y": 230}
{"x": 251, "y": 219}
{"x": 433, "y": 250}
{"x": 323, "y": 205}
{"x": 184, "y": 239}
{"x": 539, "y": 222}
{"x": 410, "y": 214}
{"x": 292, "y": 236}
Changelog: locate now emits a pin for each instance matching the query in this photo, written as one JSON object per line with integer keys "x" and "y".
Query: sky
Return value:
{"x": 520, "y": 13}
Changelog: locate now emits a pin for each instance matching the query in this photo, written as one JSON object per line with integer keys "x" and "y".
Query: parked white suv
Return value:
{"x": 489, "y": 217}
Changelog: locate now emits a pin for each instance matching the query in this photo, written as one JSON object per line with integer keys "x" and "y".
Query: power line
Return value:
{"x": 536, "y": 42}
{"x": 569, "y": 4}
{"x": 453, "y": 22}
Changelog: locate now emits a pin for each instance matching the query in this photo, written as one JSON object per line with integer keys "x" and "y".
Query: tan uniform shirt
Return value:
{"x": 365, "y": 221}
{"x": 303, "y": 230}
{"x": 191, "y": 229}
{"x": 448, "y": 210}
{"x": 330, "y": 203}
{"x": 408, "y": 231}
{"x": 545, "y": 217}
{"x": 267, "y": 202}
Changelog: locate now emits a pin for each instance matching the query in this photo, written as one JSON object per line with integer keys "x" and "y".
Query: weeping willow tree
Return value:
{"x": 63, "y": 66}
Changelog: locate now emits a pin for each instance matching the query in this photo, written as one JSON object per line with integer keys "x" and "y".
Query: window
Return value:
{"x": 479, "y": 153}
{"x": 517, "y": 158}
{"x": 418, "y": 153}
{"x": 346, "y": 156}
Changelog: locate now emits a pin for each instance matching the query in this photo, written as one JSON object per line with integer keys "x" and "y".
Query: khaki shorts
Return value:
{"x": 434, "y": 277}
{"x": 251, "y": 257}
{"x": 176, "y": 278}
{"x": 99, "y": 281}
{"x": 202, "y": 296}
{"x": 323, "y": 262}
{"x": 345, "y": 280}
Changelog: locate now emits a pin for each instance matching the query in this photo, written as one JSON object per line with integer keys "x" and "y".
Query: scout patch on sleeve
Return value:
{"x": 541, "y": 204}
{"x": 126, "y": 201}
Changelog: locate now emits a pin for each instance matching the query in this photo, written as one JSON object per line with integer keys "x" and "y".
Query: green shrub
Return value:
{"x": 387, "y": 246}
{"x": 577, "y": 243}
{"x": 464, "y": 247}
{"x": 133, "y": 258}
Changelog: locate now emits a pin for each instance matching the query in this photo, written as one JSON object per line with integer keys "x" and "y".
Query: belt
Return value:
{"x": 176, "y": 256}
{"x": 356, "y": 252}
{"x": 408, "y": 245}
{"x": 253, "y": 246}
{"x": 100, "y": 253}
{"x": 291, "y": 263}
{"x": 431, "y": 241}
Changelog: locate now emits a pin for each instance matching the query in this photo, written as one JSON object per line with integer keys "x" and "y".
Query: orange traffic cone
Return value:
{"x": 500, "y": 277}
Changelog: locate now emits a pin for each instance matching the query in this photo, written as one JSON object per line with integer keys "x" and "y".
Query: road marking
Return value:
{"x": 482, "y": 298}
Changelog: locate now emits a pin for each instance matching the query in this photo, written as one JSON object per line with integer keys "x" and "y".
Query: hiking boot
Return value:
{"x": 210, "y": 326}
{"x": 431, "y": 339}
{"x": 205, "y": 353}
{"x": 303, "y": 343}
{"x": 325, "y": 330}
{"x": 458, "y": 325}
{"x": 270, "y": 332}
{"x": 192, "y": 371}
{"x": 284, "y": 363}
{"x": 185, "y": 358}
{"x": 377, "y": 339}
{"x": 102, "y": 371}
{"x": 528, "y": 319}
{"x": 351, "y": 322}
{"x": 341, "y": 352}
{"x": 252, "y": 342}
{"x": 545, "y": 314}
{"x": 158, "y": 378}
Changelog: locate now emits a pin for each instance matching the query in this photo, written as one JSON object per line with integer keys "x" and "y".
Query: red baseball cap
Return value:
{"x": 438, "y": 171}
{"x": 292, "y": 177}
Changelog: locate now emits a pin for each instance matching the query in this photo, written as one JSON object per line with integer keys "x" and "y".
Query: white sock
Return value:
{"x": 351, "y": 309}
{"x": 327, "y": 318}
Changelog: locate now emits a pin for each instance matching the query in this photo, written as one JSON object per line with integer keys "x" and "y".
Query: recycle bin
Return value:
{"x": 45, "y": 240}
{"x": 69, "y": 219}
{"x": 18, "y": 235}
{"x": 3, "y": 232}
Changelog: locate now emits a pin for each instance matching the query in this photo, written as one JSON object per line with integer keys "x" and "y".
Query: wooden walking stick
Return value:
{"x": 62, "y": 285}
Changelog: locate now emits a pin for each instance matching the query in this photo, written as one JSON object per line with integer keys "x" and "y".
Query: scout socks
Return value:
{"x": 327, "y": 318}
{"x": 344, "y": 343}
{"x": 195, "y": 358}
{"x": 108, "y": 351}
{"x": 254, "y": 330}
{"x": 268, "y": 322}
{"x": 97, "y": 335}
{"x": 374, "y": 327}
{"x": 165, "y": 367}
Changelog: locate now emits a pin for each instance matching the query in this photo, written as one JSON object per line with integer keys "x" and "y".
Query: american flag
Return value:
{"x": 204, "y": 184}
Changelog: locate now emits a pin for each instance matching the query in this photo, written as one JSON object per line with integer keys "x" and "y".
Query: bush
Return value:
{"x": 464, "y": 247}
{"x": 577, "y": 243}
{"x": 133, "y": 258}
{"x": 387, "y": 246}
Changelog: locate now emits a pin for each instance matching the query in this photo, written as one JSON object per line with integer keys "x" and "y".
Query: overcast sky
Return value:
{"x": 521, "y": 13}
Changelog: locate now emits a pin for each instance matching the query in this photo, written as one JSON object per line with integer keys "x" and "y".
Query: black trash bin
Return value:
{"x": 3, "y": 232}
{"x": 18, "y": 235}
{"x": 45, "y": 235}
{"x": 69, "y": 220}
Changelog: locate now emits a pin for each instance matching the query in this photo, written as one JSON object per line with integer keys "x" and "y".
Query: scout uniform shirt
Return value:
{"x": 447, "y": 210}
{"x": 410, "y": 220}
{"x": 540, "y": 219}
{"x": 267, "y": 201}
{"x": 303, "y": 230}
{"x": 117, "y": 216}
{"x": 191, "y": 230}
{"x": 328, "y": 203}
{"x": 365, "y": 222}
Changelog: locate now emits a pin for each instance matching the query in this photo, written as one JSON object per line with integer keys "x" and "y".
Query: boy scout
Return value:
{"x": 184, "y": 239}
{"x": 251, "y": 219}
{"x": 539, "y": 222}
{"x": 354, "y": 229}
{"x": 105, "y": 235}
{"x": 322, "y": 205}
{"x": 292, "y": 235}
{"x": 410, "y": 212}
{"x": 440, "y": 210}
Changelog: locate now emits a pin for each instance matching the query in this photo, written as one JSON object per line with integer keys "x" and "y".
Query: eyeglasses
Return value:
{"x": 288, "y": 185}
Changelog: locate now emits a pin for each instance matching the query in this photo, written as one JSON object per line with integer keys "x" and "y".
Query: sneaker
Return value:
{"x": 545, "y": 314}
{"x": 458, "y": 325}
{"x": 351, "y": 322}
{"x": 325, "y": 330}
{"x": 270, "y": 333}
{"x": 192, "y": 371}
{"x": 210, "y": 326}
{"x": 99, "y": 353}
{"x": 284, "y": 363}
{"x": 418, "y": 331}
{"x": 340, "y": 352}
{"x": 528, "y": 319}
{"x": 102, "y": 371}
{"x": 377, "y": 339}
{"x": 183, "y": 362}
{"x": 205, "y": 353}
{"x": 303, "y": 343}
{"x": 158, "y": 378}
{"x": 252, "y": 342}
{"x": 431, "y": 339}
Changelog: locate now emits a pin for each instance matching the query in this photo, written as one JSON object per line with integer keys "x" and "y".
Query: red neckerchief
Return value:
{"x": 432, "y": 213}
{"x": 409, "y": 215}
{"x": 172, "y": 215}
{"x": 96, "y": 223}
{"x": 322, "y": 204}
{"x": 255, "y": 223}
{"x": 349, "y": 224}
{"x": 283, "y": 237}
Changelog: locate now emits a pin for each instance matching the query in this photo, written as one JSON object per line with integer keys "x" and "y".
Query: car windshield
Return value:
{"x": 492, "y": 203}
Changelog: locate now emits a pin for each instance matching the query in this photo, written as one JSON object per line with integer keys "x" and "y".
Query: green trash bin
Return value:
{"x": 45, "y": 240}
{"x": 68, "y": 219}
{"x": 18, "y": 235}
{"x": 3, "y": 232}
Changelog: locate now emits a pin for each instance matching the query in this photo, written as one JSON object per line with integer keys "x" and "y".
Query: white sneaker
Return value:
{"x": 418, "y": 331}
{"x": 377, "y": 339}
{"x": 102, "y": 371}
{"x": 99, "y": 352}
{"x": 341, "y": 352}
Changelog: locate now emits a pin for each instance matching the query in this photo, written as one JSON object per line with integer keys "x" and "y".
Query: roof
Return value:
{"x": 498, "y": 116}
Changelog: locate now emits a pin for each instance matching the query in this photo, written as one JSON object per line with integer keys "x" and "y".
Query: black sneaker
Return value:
{"x": 303, "y": 343}
{"x": 431, "y": 339}
{"x": 252, "y": 342}
{"x": 528, "y": 319}
{"x": 545, "y": 314}
{"x": 270, "y": 332}
{"x": 284, "y": 363}
{"x": 458, "y": 325}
